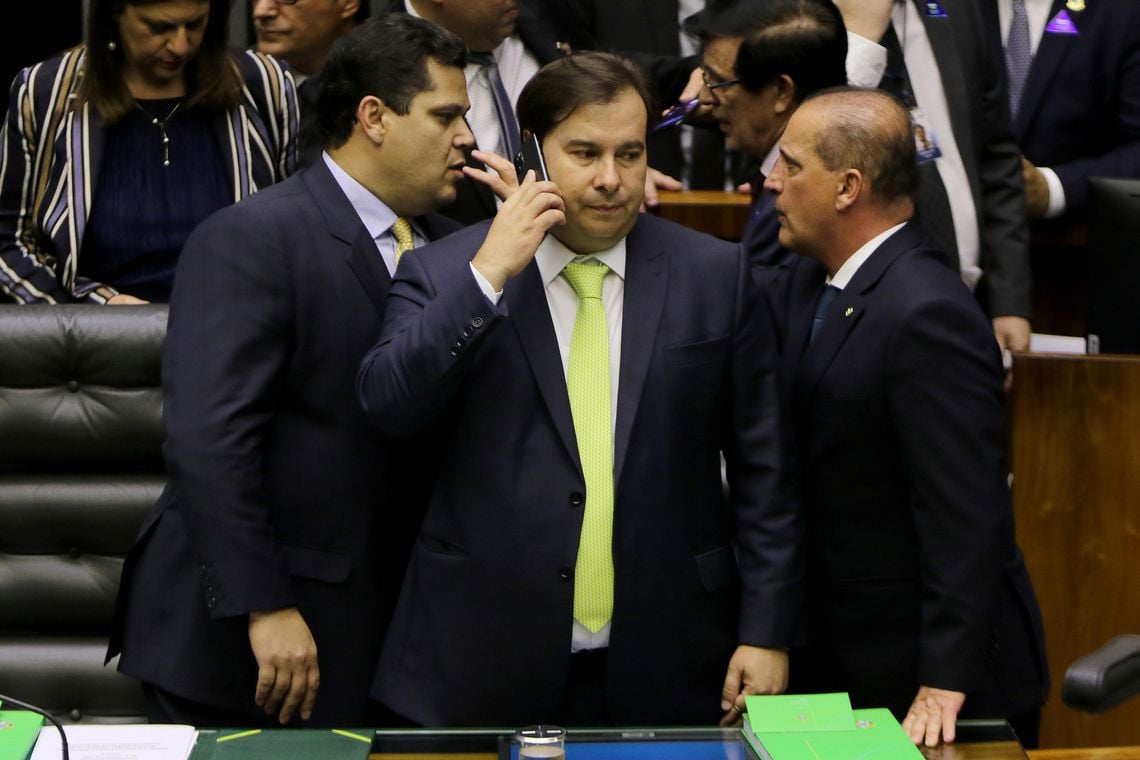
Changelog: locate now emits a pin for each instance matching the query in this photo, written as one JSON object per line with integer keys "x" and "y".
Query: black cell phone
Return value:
{"x": 530, "y": 157}
{"x": 676, "y": 114}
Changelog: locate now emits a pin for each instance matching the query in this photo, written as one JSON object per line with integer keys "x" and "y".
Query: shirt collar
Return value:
{"x": 552, "y": 257}
{"x": 846, "y": 272}
{"x": 375, "y": 214}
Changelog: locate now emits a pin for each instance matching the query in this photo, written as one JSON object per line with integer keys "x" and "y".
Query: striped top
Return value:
{"x": 50, "y": 156}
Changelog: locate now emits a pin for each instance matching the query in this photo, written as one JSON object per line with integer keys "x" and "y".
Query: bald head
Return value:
{"x": 870, "y": 131}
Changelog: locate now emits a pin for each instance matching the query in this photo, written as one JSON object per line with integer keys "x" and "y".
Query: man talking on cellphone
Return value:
{"x": 581, "y": 369}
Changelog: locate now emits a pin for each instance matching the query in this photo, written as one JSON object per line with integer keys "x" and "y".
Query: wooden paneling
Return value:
{"x": 1076, "y": 464}
{"x": 717, "y": 213}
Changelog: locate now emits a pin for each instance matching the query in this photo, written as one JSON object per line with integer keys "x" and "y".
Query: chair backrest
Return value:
{"x": 80, "y": 467}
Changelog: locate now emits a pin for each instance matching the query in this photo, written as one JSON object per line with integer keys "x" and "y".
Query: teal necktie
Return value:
{"x": 588, "y": 384}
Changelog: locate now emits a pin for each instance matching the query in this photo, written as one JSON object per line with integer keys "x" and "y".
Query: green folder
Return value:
{"x": 874, "y": 735}
{"x": 800, "y": 712}
{"x": 19, "y": 730}
{"x": 284, "y": 744}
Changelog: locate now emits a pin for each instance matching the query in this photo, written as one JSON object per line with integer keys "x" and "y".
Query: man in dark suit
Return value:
{"x": 918, "y": 598}
{"x": 507, "y": 41}
{"x": 972, "y": 200}
{"x": 760, "y": 60}
{"x": 271, "y": 563}
{"x": 578, "y": 561}
{"x": 1077, "y": 112}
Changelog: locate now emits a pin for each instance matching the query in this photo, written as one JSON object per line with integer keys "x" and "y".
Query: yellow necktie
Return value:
{"x": 402, "y": 231}
{"x": 588, "y": 385}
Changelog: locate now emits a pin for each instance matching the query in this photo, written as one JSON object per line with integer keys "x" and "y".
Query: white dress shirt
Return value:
{"x": 551, "y": 258}
{"x": 844, "y": 274}
{"x": 866, "y": 62}
{"x": 377, "y": 217}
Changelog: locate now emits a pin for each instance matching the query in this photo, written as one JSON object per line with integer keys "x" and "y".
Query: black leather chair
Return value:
{"x": 80, "y": 467}
{"x": 1104, "y": 678}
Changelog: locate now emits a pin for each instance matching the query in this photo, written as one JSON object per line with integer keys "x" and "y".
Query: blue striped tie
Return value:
{"x": 829, "y": 294}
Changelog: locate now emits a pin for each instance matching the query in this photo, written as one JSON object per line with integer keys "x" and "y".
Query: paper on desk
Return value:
{"x": 1042, "y": 343}
{"x": 800, "y": 712}
{"x": 118, "y": 742}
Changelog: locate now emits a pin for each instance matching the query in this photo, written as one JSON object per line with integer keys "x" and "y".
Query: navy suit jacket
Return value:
{"x": 481, "y": 634}
{"x": 280, "y": 492}
{"x": 914, "y": 574}
{"x": 1080, "y": 110}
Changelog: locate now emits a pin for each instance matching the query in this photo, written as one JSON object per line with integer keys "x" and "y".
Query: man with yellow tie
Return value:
{"x": 261, "y": 586}
{"x": 579, "y": 561}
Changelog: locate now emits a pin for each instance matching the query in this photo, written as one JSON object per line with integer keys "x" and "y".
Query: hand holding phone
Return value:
{"x": 530, "y": 157}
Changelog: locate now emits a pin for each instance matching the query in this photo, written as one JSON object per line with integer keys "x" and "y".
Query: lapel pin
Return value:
{"x": 1061, "y": 24}
{"x": 564, "y": 48}
{"x": 1076, "y": 6}
{"x": 849, "y": 312}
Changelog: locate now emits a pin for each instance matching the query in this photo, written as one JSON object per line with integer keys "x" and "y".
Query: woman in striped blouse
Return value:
{"x": 115, "y": 150}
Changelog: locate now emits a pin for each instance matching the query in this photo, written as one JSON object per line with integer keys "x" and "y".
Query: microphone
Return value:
{"x": 32, "y": 708}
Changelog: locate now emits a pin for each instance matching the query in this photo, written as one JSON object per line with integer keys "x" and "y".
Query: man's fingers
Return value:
{"x": 933, "y": 722}
{"x": 265, "y": 678}
{"x": 281, "y": 683}
{"x": 731, "y": 689}
{"x": 310, "y": 699}
{"x": 298, "y": 685}
{"x": 949, "y": 721}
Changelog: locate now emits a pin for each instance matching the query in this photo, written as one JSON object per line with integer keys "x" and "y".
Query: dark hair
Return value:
{"x": 588, "y": 78}
{"x": 804, "y": 39}
{"x": 385, "y": 57}
{"x": 212, "y": 79}
{"x": 869, "y": 130}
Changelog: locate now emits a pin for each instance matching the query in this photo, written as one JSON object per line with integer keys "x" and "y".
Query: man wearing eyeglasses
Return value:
{"x": 759, "y": 61}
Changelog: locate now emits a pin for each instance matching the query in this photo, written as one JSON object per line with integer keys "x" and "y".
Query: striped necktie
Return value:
{"x": 1018, "y": 55}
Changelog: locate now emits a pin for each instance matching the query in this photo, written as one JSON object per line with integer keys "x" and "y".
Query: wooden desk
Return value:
{"x": 714, "y": 212}
{"x": 1076, "y": 473}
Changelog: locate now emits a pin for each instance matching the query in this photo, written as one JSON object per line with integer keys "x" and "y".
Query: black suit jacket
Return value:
{"x": 482, "y": 632}
{"x": 1080, "y": 110}
{"x": 979, "y": 115}
{"x": 914, "y": 574}
{"x": 280, "y": 493}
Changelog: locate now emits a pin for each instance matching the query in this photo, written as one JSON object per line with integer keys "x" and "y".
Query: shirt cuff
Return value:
{"x": 1056, "y": 192}
{"x": 485, "y": 285}
{"x": 866, "y": 61}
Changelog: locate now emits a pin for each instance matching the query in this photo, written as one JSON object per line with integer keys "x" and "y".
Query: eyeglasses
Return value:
{"x": 713, "y": 86}
{"x": 285, "y": 2}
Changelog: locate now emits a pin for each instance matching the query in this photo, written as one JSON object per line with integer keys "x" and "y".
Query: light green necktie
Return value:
{"x": 588, "y": 383}
{"x": 402, "y": 231}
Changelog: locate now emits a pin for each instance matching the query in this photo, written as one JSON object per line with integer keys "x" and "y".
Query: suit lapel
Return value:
{"x": 847, "y": 309}
{"x": 525, "y": 298}
{"x": 941, "y": 35}
{"x": 1051, "y": 51}
{"x": 344, "y": 224}
{"x": 646, "y": 281}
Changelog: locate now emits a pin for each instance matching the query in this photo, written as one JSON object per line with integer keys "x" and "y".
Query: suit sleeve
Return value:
{"x": 432, "y": 329}
{"x": 224, "y": 360}
{"x": 27, "y": 270}
{"x": 945, "y": 396}
{"x": 1123, "y": 160}
{"x": 761, "y": 479}
{"x": 1001, "y": 212}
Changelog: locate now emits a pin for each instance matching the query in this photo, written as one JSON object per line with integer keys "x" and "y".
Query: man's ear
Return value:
{"x": 852, "y": 185}
{"x": 374, "y": 118}
{"x": 786, "y": 99}
{"x": 349, "y": 9}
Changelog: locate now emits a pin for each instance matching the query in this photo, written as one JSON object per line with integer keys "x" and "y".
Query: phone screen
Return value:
{"x": 530, "y": 157}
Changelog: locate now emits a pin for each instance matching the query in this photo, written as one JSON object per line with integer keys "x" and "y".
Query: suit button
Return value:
{"x": 455, "y": 352}
{"x": 73, "y": 386}
{"x": 75, "y": 715}
{"x": 211, "y": 602}
{"x": 564, "y": 573}
{"x": 576, "y": 499}
{"x": 477, "y": 322}
{"x": 468, "y": 331}
{"x": 74, "y": 552}
{"x": 459, "y": 342}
